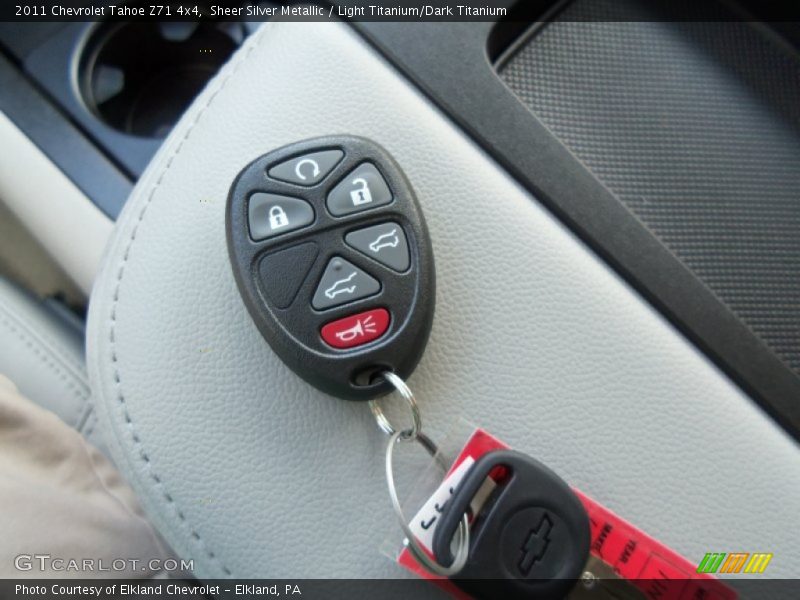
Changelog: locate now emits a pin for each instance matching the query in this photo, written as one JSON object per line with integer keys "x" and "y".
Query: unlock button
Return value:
{"x": 361, "y": 189}
{"x": 270, "y": 215}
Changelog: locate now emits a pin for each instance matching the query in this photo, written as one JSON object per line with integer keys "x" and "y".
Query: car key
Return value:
{"x": 529, "y": 540}
{"x": 332, "y": 257}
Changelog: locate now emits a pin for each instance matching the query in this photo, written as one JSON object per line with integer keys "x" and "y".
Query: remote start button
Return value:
{"x": 307, "y": 169}
{"x": 357, "y": 329}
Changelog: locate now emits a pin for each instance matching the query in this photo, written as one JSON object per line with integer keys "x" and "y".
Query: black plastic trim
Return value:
{"x": 63, "y": 143}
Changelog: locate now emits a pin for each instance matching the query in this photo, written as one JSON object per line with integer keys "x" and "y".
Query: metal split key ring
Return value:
{"x": 414, "y": 433}
{"x": 405, "y": 392}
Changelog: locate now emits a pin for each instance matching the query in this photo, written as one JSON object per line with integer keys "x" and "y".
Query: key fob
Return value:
{"x": 530, "y": 539}
{"x": 331, "y": 255}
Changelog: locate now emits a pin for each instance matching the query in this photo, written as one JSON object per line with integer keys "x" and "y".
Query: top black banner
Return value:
{"x": 369, "y": 10}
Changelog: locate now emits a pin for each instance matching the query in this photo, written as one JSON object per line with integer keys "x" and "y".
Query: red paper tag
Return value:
{"x": 658, "y": 571}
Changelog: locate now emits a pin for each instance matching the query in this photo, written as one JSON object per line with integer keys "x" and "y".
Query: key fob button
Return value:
{"x": 343, "y": 282}
{"x": 283, "y": 272}
{"x": 385, "y": 243}
{"x": 361, "y": 189}
{"x": 307, "y": 169}
{"x": 270, "y": 215}
{"x": 357, "y": 329}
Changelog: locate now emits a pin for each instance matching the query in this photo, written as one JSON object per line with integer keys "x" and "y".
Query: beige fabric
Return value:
{"x": 60, "y": 497}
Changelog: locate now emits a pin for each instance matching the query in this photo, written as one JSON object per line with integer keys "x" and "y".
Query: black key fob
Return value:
{"x": 332, "y": 258}
{"x": 530, "y": 539}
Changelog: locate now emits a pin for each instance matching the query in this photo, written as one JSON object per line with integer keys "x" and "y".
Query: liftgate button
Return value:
{"x": 357, "y": 329}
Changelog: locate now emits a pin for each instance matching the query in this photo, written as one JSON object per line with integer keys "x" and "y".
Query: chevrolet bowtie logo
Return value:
{"x": 535, "y": 544}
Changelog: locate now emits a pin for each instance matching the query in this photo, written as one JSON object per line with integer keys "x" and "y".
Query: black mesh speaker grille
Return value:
{"x": 695, "y": 127}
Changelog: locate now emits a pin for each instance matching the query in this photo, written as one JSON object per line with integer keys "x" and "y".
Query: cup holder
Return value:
{"x": 138, "y": 78}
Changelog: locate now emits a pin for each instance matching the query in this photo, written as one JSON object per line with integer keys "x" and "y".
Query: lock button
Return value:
{"x": 277, "y": 218}
{"x": 270, "y": 215}
{"x": 361, "y": 189}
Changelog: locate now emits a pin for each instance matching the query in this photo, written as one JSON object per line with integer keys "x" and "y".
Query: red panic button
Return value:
{"x": 356, "y": 329}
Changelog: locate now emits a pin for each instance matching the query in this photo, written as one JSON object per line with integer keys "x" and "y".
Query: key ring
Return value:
{"x": 419, "y": 553}
{"x": 415, "y": 434}
{"x": 405, "y": 392}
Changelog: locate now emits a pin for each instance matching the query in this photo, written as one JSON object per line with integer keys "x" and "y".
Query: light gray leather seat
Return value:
{"x": 42, "y": 352}
{"x": 251, "y": 472}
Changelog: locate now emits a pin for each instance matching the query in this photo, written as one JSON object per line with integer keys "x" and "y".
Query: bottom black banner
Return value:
{"x": 313, "y": 589}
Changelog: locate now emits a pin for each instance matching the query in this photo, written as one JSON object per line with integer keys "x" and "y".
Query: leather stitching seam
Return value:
{"x": 159, "y": 483}
{"x": 72, "y": 383}
{"x": 47, "y": 340}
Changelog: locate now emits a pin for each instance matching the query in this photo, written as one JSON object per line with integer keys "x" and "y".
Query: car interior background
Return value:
{"x": 574, "y": 224}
